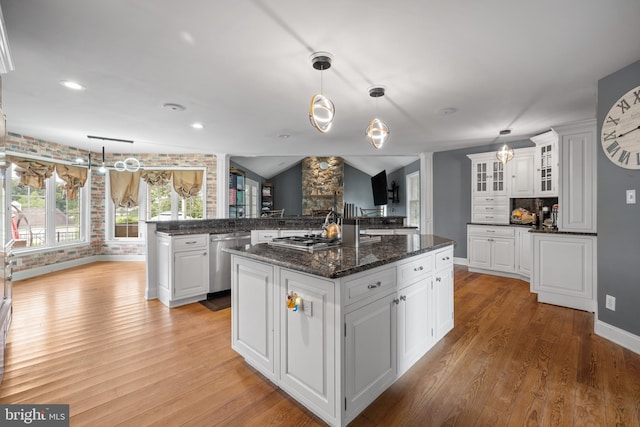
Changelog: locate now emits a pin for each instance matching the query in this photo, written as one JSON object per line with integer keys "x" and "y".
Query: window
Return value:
{"x": 413, "y": 199}
{"x": 46, "y": 217}
{"x": 156, "y": 202}
{"x": 251, "y": 188}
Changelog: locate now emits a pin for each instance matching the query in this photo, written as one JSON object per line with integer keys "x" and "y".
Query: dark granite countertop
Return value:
{"x": 534, "y": 229}
{"x": 343, "y": 261}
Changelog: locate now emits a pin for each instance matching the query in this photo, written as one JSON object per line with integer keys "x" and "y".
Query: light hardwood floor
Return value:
{"x": 87, "y": 337}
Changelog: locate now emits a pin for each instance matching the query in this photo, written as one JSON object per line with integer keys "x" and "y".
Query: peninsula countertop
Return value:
{"x": 343, "y": 260}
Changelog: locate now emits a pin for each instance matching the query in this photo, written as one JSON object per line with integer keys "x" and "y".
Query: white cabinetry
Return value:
{"x": 416, "y": 332}
{"x": 252, "y": 319}
{"x": 370, "y": 353}
{"x": 351, "y": 338}
{"x": 564, "y": 270}
{"x": 182, "y": 268}
{"x": 442, "y": 299}
{"x": 546, "y": 164}
{"x": 523, "y": 251}
{"x": 489, "y": 199}
{"x": 307, "y": 341}
{"x": 520, "y": 173}
{"x": 578, "y": 183}
{"x": 491, "y": 248}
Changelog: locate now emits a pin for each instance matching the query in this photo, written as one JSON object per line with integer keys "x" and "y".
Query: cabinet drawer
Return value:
{"x": 478, "y": 230}
{"x": 375, "y": 283}
{"x": 415, "y": 269}
{"x": 491, "y": 200}
{"x": 182, "y": 243}
{"x": 488, "y": 218}
{"x": 267, "y": 235}
{"x": 444, "y": 258}
{"x": 490, "y": 210}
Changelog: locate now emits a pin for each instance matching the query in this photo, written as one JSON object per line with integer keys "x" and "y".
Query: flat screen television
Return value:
{"x": 379, "y": 187}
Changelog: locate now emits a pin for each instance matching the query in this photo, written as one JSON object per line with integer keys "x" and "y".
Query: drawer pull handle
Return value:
{"x": 445, "y": 258}
{"x": 191, "y": 243}
{"x": 374, "y": 285}
{"x": 491, "y": 231}
{"x": 488, "y": 199}
{"x": 403, "y": 297}
{"x": 438, "y": 279}
{"x": 418, "y": 268}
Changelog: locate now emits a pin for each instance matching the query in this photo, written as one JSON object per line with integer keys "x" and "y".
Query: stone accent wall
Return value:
{"x": 322, "y": 188}
{"x": 20, "y": 144}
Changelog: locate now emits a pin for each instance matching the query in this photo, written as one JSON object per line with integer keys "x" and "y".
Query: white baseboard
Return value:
{"x": 38, "y": 271}
{"x": 618, "y": 336}
{"x": 460, "y": 261}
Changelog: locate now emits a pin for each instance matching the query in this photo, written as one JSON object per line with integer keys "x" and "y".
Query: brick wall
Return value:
{"x": 20, "y": 144}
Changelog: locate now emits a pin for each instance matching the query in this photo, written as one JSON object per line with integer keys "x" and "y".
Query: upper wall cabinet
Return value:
{"x": 578, "y": 181}
{"x": 546, "y": 164}
{"x": 520, "y": 173}
{"x": 488, "y": 174}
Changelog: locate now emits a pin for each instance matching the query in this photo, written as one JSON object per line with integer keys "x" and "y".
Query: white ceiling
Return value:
{"x": 243, "y": 68}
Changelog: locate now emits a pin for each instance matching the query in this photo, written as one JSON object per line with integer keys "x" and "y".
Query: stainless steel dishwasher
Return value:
{"x": 220, "y": 261}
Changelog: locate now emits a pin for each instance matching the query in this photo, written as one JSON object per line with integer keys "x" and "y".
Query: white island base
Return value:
{"x": 351, "y": 337}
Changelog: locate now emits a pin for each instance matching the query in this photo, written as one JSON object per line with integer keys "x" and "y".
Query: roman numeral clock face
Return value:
{"x": 621, "y": 131}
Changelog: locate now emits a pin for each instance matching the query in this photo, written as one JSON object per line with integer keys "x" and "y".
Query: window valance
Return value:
{"x": 74, "y": 177}
{"x": 124, "y": 188}
{"x": 32, "y": 173}
{"x": 187, "y": 183}
{"x": 156, "y": 177}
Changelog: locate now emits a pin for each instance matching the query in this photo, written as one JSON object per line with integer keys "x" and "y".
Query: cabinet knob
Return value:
{"x": 374, "y": 285}
{"x": 396, "y": 301}
{"x": 205, "y": 254}
{"x": 438, "y": 279}
{"x": 403, "y": 297}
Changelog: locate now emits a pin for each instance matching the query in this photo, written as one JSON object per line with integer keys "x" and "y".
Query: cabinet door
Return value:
{"x": 564, "y": 270}
{"x": 488, "y": 177}
{"x": 503, "y": 254}
{"x": 443, "y": 302}
{"x": 546, "y": 170}
{"x": 252, "y": 317}
{"x": 370, "y": 352}
{"x": 191, "y": 273}
{"x": 524, "y": 252}
{"x": 577, "y": 198}
{"x": 520, "y": 171}
{"x": 415, "y": 328}
{"x": 307, "y": 341}
{"x": 479, "y": 252}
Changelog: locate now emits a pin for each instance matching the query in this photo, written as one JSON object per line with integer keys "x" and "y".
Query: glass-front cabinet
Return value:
{"x": 546, "y": 164}
{"x": 488, "y": 174}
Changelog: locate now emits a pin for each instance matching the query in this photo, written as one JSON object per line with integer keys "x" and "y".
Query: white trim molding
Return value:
{"x": 617, "y": 335}
{"x": 34, "y": 272}
{"x": 426, "y": 193}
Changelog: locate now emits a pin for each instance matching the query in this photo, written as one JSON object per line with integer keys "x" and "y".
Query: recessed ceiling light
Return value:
{"x": 72, "y": 85}
{"x": 447, "y": 111}
{"x": 197, "y": 125}
{"x": 505, "y": 132}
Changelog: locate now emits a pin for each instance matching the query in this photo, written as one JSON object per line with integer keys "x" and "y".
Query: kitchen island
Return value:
{"x": 336, "y": 327}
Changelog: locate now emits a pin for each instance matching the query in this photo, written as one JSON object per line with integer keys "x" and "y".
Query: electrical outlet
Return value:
{"x": 610, "y": 303}
{"x": 631, "y": 197}
{"x": 307, "y": 307}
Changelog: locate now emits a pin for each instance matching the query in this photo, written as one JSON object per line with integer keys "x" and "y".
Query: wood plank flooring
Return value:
{"x": 87, "y": 337}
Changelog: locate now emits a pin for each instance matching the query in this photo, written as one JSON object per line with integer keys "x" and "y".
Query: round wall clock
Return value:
{"x": 620, "y": 137}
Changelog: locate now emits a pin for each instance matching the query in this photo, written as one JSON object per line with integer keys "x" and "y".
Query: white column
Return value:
{"x": 426, "y": 193}
{"x": 222, "y": 185}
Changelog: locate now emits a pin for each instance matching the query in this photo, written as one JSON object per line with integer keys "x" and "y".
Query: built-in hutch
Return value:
{"x": 559, "y": 264}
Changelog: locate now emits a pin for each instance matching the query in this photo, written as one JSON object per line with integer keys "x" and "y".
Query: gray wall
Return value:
{"x": 287, "y": 189}
{"x": 399, "y": 176}
{"x": 357, "y": 188}
{"x": 618, "y": 223}
{"x": 452, "y": 192}
{"x": 248, "y": 173}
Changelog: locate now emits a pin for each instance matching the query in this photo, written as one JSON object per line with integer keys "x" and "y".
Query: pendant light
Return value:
{"x": 506, "y": 153}
{"x": 322, "y": 110}
{"x": 378, "y": 132}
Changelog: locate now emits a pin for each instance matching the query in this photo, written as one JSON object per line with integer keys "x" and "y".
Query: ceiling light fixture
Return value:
{"x": 104, "y": 138}
{"x": 69, "y": 84}
{"x": 378, "y": 131}
{"x": 506, "y": 153}
{"x": 101, "y": 167}
{"x": 322, "y": 110}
